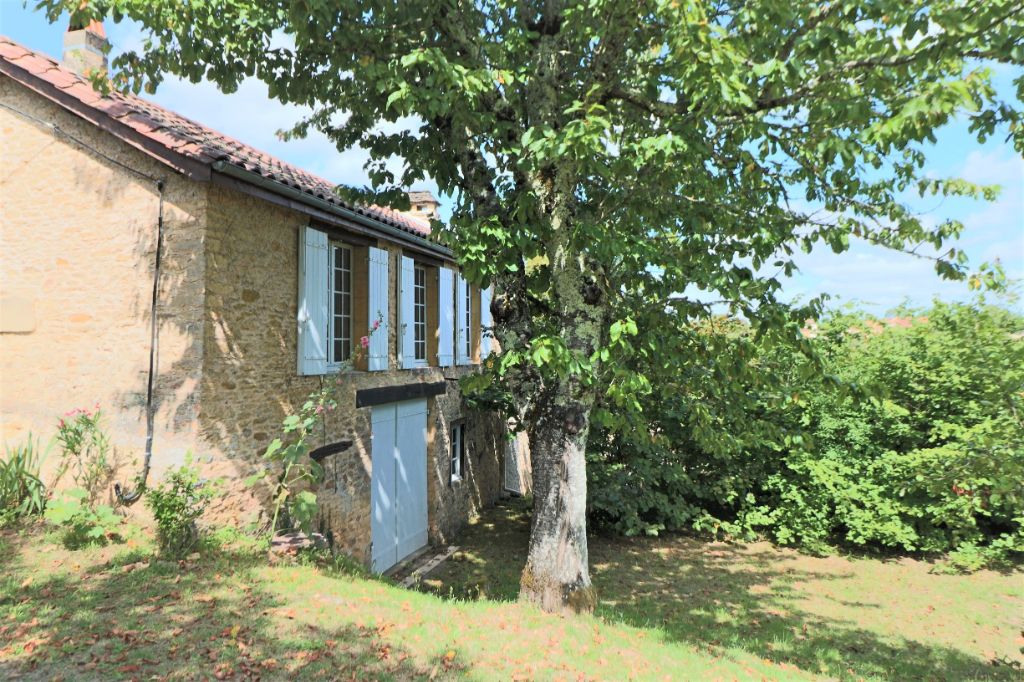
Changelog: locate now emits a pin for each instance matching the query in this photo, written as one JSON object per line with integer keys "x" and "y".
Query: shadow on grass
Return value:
{"x": 716, "y": 596}
{"x": 136, "y": 617}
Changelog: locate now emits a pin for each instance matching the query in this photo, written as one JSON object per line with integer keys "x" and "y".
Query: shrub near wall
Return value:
{"x": 932, "y": 462}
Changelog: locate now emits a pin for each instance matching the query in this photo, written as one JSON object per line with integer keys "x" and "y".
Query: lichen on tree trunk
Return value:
{"x": 557, "y": 574}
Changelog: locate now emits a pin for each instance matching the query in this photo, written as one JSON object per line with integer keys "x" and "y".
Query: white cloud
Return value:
{"x": 871, "y": 275}
{"x": 995, "y": 168}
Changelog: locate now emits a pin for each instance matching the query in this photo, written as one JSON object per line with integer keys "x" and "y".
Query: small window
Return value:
{"x": 420, "y": 313}
{"x": 458, "y": 451}
{"x": 340, "y": 332}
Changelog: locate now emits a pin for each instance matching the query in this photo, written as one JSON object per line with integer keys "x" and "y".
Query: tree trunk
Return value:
{"x": 557, "y": 574}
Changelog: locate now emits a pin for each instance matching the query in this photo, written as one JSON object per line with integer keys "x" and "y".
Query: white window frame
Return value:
{"x": 457, "y": 451}
{"x": 334, "y": 363}
{"x": 419, "y": 314}
{"x": 407, "y": 361}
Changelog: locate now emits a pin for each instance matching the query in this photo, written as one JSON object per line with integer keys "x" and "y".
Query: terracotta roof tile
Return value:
{"x": 143, "y": 124}
{"x": 60, "y": 78}
{"x": 33, "y": 63}
{"x": 191, "y": 139}
{"x": 84, "y": 93}
{"x": 11, "y": 51}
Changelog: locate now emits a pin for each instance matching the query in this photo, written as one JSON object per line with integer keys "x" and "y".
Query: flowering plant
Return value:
{"x": 85, "y": 450}
{"x": 364, "y": 342}
{"x": 294, "y": 502}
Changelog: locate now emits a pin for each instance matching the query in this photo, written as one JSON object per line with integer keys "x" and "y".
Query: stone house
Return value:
{"x": 199, "y": 290}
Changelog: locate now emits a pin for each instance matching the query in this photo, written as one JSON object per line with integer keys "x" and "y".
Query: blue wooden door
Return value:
{"x": 398, "y": 494}
{"x": 383, "y": 524}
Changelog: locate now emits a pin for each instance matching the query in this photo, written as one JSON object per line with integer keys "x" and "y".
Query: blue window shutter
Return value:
{"x": 377, "y": 353}
{"x": 314, "y": 292}
{"x": 486, "y": 334}
{"x": 406, "y": 313}
{"x": 446, "y": 317}
{"x": 462, "y": 329}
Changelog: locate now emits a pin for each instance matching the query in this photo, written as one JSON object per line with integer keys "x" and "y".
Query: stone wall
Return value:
{"x": 77, "y": 241}
{"x": 250, "y": 382}
{"x": 76, "y": 272}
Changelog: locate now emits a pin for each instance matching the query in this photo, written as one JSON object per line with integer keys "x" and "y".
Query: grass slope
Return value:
{"x": 846, "y": 618}
{"x": 671, "y": 608}
{"x": 119, "y": 613}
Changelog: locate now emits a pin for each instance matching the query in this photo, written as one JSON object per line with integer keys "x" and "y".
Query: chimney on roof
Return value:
{"x": 85, "y": 48}
{"x": 424, "y": 205}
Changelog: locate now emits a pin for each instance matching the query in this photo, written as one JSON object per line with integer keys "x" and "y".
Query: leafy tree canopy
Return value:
{"x": 607, "y": 155}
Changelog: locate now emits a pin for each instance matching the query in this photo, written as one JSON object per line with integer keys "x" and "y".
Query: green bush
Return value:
{"x": 177, "y": 503}
{"x": 83, "y": 523}
{"x": 22, "y": 492}
{"x": 910, "y": 439}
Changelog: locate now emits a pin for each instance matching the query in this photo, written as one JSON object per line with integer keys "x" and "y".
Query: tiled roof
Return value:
{"x": 810, "y": 329}
{"x": 422, "y": 196}
{"x": 186, "y": 137}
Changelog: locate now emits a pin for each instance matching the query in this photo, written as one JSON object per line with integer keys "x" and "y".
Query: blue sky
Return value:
{"x": 875, "y": 278}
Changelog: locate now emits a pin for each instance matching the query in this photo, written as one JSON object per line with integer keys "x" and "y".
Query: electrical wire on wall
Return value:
{"x": 130, "y": 497}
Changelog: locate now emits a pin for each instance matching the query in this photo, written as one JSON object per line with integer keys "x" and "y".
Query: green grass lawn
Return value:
{"x": 670, "y": 609}
{"x": 119, "y": 613}
{"x": 844, "y": 618}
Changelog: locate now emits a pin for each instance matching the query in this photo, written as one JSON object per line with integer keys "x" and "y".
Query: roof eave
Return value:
{"x": 406, "y": 238}
{"x": 197, "y": 170}
{"x": 178, "y": 162}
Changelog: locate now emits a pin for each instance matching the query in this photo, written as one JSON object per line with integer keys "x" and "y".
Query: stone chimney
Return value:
{"x": 424, "y": 205}
{"x": 84, "y": 48}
